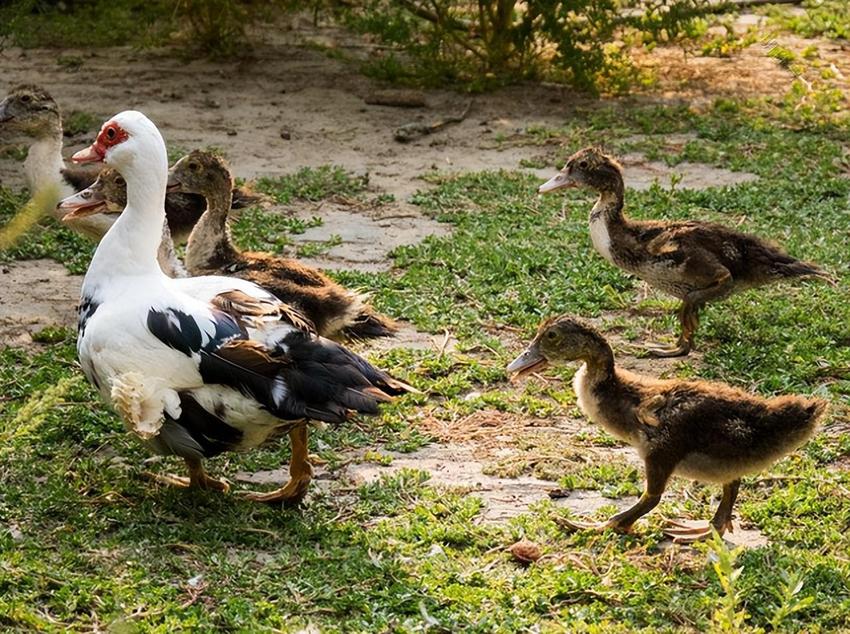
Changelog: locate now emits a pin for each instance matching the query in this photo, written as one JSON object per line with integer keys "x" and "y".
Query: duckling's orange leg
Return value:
{"x": 721, "y": 522}
{"x": 688, "y": 320}
{"x": 656, "y": 481}
{"x": 721, "y": 286}
{"x": 300, "y": 474}
{"x": 198, "y": 478}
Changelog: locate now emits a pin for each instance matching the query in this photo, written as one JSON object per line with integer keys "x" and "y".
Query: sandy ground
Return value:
{"x": 292, "y": 107}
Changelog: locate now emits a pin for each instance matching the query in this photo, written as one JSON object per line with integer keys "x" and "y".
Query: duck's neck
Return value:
{"x": 609, "y": 205}
{"x": 130, "y": 247}
{"x": 599, "y": 362}
{"x": 43, "y": 165}
{"x": 211, "y": 245}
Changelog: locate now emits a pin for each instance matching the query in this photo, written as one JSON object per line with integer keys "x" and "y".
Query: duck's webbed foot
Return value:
{"x": 198, "y": 478}
{"x": 721, "y": 522}
{"x": 291, "y": 495}
{"x": 681, "y": 349}
{"x": 622, "y": 522}
{"x": 689, "y": 533}
{"x": 689, "y": 321}
{"x": 300, "y": 471}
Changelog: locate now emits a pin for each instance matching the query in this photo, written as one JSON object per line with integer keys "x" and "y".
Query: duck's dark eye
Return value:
{"x": 110, "y": 133}
{"x": 120, "y": 181}
{"x": 194, "y": 167}
{"x": 26, "y": 98}
{"x": 551, "y": 334}
{"x": 582, "y": 165}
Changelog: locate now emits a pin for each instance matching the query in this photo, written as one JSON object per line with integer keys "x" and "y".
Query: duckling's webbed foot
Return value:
{"x": 300, "y": 471}
{"x": 621, "y": 522}
{"x": 689, "y": 321}
{"x": 682, "y": 348}
{"x": 721, "y": 522}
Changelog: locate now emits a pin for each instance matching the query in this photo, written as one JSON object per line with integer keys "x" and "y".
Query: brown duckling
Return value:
{"x": 710, "y": 432}
{"x": 334, "y": 310}
{"x": 697, "y": 262}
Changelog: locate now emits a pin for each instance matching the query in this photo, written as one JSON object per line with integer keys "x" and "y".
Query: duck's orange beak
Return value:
{"x": 92, "y": 154}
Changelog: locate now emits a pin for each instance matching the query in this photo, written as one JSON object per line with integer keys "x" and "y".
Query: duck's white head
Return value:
{"x": 126, "y": 140}
{"x": 132, "y": 144}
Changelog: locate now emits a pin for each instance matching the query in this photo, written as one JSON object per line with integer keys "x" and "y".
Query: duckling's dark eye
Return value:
{"x": 582, "y": 165}
{"x": 551, "y": 335}
{"x": 120, "y": 181}
{"x": 194, "y": 167}
{"x": 26, "y": 98}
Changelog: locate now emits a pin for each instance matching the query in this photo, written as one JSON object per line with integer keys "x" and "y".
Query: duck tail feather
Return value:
{"x": 370, "y": 324}
{"x": 244, "y": 196}
{"x": 798, "y": 268}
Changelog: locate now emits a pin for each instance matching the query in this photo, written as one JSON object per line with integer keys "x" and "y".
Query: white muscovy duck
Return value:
{"x": 198, "y": 366}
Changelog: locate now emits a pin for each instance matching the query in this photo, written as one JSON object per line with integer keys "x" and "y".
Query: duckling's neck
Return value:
{"x": 43, "y": 165}
{"x": 609, "y": 205}
{"x": 601, "y": 397}
{"x": 606, "y": 220}
{"x": 167, "y": 256}
{"x": 598, "y": 363}
{"x": 211, "y": 245}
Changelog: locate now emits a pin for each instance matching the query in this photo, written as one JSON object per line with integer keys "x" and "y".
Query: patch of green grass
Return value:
{"x": 79, "y": 122}
{"x": 313, "y": 249}
{"x": 312, "y": 184}
{"x": 257, "y": 230}
{"x": 31, "y": 23}
{"x": 827, "y": 18}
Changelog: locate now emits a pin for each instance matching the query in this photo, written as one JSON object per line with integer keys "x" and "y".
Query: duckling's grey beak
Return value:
{"x": 81, "y": 204}
{"x": 174, "y": 183}
{"x": 4, "y": 115}
{"x": 559, "y": 181}
{"x": 528, "y": 360}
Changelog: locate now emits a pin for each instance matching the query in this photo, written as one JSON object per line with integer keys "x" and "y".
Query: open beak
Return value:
{"x": 92, "y": 154}
{"x": 559, "y": 181}
{"x": 173, "y": 186}
{"x": 529, "y": 360}
{"x": 80, "y": 205}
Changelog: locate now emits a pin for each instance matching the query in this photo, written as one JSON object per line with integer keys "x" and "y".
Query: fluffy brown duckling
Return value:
{"x": 697, "y": 262}
{"x": 710, "y": 432}
{"x": 335, "y": 311}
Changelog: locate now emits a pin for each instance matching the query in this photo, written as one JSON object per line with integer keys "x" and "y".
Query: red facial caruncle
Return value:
{"x": 110, "y": 134}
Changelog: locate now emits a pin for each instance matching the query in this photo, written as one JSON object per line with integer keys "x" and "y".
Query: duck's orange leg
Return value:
{"x": 300, "y": 474}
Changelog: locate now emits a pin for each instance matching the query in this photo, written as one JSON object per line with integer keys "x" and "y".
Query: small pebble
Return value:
{"x": 525, "y": 551}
